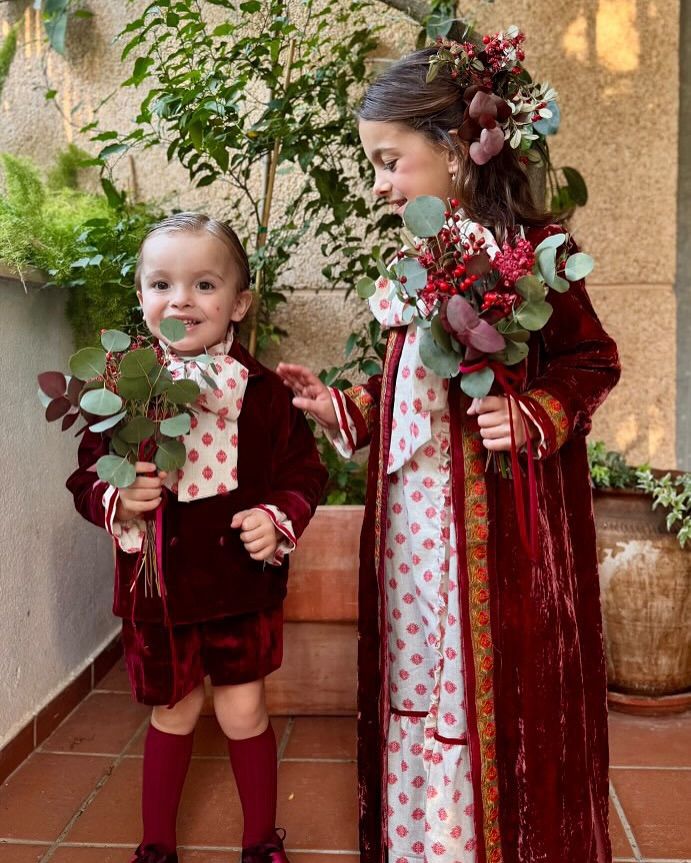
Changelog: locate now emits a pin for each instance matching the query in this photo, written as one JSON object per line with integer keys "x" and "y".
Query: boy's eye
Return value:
{"x": 159, "y": 286}
{"x": 205, "y": 286}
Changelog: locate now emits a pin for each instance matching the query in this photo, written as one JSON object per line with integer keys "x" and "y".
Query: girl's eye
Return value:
{"x": 205, "y": 286}
{"x": 390, "y": 166}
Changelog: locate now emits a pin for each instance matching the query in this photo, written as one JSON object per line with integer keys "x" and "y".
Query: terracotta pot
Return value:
{"x": 645, "y": 581}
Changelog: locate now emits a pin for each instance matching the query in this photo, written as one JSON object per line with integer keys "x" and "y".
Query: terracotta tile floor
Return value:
{"x": 76, "y": 799}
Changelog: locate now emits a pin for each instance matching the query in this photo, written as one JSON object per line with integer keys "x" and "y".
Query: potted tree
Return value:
{"x": 643, "y": 524}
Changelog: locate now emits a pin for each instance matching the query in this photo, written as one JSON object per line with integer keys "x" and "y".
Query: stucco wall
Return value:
{"x": 55, "y": 568}
{"x": 615, "y": 66}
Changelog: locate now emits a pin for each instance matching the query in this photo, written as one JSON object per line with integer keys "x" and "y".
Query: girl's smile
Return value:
{"x": 191, "y": 276}
{"x": 406, "y": 163}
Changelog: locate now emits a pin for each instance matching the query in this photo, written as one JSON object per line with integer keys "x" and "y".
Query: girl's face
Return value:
{"x": 191, "y": 276}
{"x": 406, "y": 163}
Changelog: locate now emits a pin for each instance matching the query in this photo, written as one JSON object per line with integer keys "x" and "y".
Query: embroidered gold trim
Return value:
{"x": 556, "y": 413}
{"x": 476, "y": 534}
{"x": 364, "y": 402}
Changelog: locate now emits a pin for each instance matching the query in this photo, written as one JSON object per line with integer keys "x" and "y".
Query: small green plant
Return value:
{"x": 347, "y": 479}
{"x": 609, "y": 469}
{"x": 85, "y": 242}
{"x": 8, "y": 49}
{"x": 674, "y": 494}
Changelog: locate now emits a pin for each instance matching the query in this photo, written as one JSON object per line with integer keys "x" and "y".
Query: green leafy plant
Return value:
{"x": 259, "y": 101}
{"x": 609, "y": 469}
{"x": 8, "y": 48}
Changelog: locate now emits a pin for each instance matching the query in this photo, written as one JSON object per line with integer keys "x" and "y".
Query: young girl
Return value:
{"x": 248, "y": 489}
{"x": 482, "y": 723}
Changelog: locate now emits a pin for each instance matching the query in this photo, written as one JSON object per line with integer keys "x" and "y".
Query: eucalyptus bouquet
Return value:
{"x": 476, "y": 312}
{"x": 124, "y": 391}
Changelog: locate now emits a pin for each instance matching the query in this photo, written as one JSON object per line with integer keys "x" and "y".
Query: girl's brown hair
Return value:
{"x": 199, "y": 223}
{"x": 496, "y": 194}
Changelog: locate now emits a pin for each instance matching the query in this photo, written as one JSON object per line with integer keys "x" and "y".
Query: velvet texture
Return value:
{"x": 255, "y": 767}
{"x": 208, "y": 573}
{"x": 537, "y": 722}
{"x": 164, "y": 663}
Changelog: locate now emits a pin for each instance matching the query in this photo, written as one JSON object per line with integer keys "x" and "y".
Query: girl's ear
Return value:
{"x": 453, "y": 157}
{"x": 139, "y": 296}
{"x": 243, "y": 301}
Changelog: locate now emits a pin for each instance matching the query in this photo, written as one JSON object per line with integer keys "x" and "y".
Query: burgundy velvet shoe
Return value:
{"x": 267, "y": 852}
{"x": 153, "y": 854}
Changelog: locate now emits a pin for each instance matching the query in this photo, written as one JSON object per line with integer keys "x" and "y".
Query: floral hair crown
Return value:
{"x": 502, "y": 102}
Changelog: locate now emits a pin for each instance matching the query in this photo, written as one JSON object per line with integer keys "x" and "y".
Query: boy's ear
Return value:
{"x": 139, "y": 296}
{"x": 243, "y": 301}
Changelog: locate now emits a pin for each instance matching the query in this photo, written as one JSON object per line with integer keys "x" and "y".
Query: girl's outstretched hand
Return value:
{"x": 310, "y": 394}
{"x": 493, "y": 418}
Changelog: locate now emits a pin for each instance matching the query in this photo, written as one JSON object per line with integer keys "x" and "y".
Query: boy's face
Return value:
{"x": 191, "y": 276}
{"x": 406, "y": 163}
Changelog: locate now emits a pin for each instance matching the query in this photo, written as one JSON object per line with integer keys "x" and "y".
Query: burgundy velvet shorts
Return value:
{"x": 165, "y": 664}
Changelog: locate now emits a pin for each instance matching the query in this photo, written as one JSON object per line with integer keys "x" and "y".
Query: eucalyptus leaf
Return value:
{"x": 549, "y": 125}
{"x": 137, "y": 430}
{"x": 182, "y": 392}
{"x": 414, "y": 273}
{"x": 365, "y": 288}
{"x": 170, "y": 455}
{"x": 101, "y": 402}
{"x": 107, "y": 423}
{"x": 88, "y": 363}
{"x": 43, "y": 398}
{"x": 441, "y": 336}
{"x": 434, "y": 357}
{"x": 175, "y": 426}
{"x": 116, "y": 470}
{"x": 547, "y": 264}
{"x": 424, "y": 216}
{"x": 560, "y": 285}
{"x": 577, "y": 186}
{"x": 578, "y": 266}
{"x": 57, "y": 409}
{"x": 530, "y": 288}
{"x": 515, "y": 352}
{"x": 172, "y": 329}
{"x": 138, "y": 362}
{"x": 533, "y": 316}
{"x": 553, "y": 241}
{"x": 115, "y": 340}
{"x": 121, "y": 447}
{"x": 52, "y": 384}
{"x": 477, "y": 384}
{"x": 134, "y": 389}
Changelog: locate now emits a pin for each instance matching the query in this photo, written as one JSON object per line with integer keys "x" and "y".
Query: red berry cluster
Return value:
{"x": 514, "y": 261}
{"x": 503, "y": 301}
{"x": 498, "y": 47}
{"x": 447, "y": 265}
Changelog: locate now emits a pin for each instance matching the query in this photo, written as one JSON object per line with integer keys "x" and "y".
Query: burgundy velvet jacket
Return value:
{"x": 208, "y": 573}
{"x": 535, "y": 676}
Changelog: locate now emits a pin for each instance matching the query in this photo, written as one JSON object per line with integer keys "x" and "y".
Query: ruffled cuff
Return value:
{"x": 285, "y": 527}
{"x": 344, "y": 441}
{"x": 128, "y": 535}
{"x": 550, "y": 417}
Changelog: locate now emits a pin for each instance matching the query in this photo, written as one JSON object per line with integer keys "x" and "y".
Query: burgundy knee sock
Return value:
{"x": 254, "y": 764}
{"x": 166, "y": 759}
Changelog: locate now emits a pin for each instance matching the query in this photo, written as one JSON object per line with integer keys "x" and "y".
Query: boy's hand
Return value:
{"x": 493, "y": 418}
{"x": 258, "y": 533}
{"x": 143, "y": 495}
{"x": 311, "y": 394}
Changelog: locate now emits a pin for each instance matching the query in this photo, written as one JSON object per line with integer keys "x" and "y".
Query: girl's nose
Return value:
{"x": 381, "y": 186}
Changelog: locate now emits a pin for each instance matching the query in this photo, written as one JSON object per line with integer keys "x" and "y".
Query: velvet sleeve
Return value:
{"x": 578, "y": 366}
{"x": 361, "y": 404}
{"x": 298, "y": 476}
{"x": 86, "y": 488}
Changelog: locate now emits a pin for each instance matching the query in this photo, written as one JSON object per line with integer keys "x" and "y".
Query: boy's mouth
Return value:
{"x": 189, "y": 322}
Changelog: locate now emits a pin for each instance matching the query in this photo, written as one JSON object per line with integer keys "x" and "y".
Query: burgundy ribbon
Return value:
{"x": 527, "y": 522}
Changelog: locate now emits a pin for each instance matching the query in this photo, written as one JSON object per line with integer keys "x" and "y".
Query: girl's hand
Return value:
{"x": 311, "y": 394}
{"x": 493, "y": 418}
{"x": 258, "y": 533}
{"x": 143, "y": 495}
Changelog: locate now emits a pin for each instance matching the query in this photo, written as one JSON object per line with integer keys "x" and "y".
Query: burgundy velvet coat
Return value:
{"x": 208, "y": 572}
{"x": 535, "y": 674}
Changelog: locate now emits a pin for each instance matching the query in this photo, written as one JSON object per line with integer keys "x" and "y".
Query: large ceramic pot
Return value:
{"x": 645, "y": 580}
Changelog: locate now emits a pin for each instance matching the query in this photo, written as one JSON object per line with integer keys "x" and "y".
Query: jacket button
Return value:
{"x": 173, "y": 541}
{"x": 221, "y": 540}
